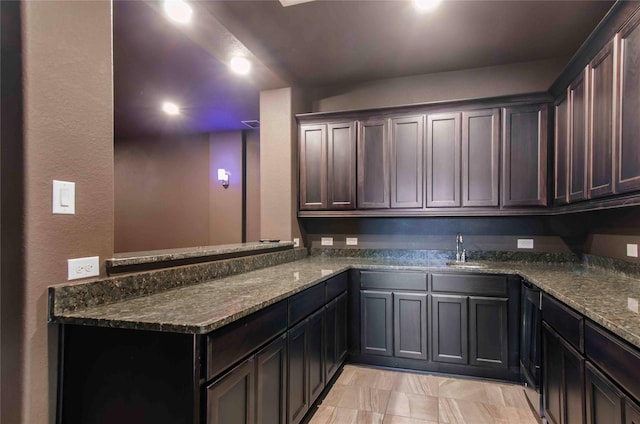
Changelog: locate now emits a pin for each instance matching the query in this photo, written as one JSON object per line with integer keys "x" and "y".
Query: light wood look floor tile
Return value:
{"x": 364, "y": 395}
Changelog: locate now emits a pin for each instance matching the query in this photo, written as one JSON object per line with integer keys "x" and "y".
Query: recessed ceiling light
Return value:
{"x": 240, "y": 65}
{"x": 178, "y": 11}
{"x": 426, "y": 5}
{"x": 170, "y": 108}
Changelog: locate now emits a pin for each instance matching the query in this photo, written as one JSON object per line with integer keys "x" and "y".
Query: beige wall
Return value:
{"x": 161, "y": 192}
{"x": 68, "y": 135}
{"x": 278, "y": 163}
{"x": 225, "y": 205}
{"x": 253, "y": 185}
{"x": 518, "y": 78}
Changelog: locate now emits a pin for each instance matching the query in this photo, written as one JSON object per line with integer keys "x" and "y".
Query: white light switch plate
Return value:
{"x": 326, "y": 241}
{"x": 64, "y": 197}
{"x": 632, "y": 250}
{"x": 83, "y": 267}
{"x": 525, "y": 243}
{"x": 296, "y": 242}
{"x": 352, "y": 241}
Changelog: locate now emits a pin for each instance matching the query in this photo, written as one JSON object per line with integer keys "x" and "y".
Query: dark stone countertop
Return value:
{"x": 608, "y": 298}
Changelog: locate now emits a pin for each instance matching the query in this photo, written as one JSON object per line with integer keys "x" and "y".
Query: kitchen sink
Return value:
{"x": 466, "y": 265}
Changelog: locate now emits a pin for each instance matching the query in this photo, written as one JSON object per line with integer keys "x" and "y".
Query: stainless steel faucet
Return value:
{"x": 460, "y": 251}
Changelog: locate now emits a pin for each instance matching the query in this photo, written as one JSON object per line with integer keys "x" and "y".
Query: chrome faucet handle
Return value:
{"x": 463, "y": 257}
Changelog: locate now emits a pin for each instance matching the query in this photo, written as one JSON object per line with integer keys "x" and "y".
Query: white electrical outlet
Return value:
{"x": 83, "y": 267}
{"x": 326, "y": 241}
{"x": 352, "y": 241}
{"x": 296, "y": 242}
{"x": 525, "y": 243}
{"x": 632, "y": 250}
{"x": 64, "y": 197}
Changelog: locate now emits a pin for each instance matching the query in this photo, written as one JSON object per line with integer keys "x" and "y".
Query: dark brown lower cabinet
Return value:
{"x": 605, "y": 402}
{"x": 231, "y": 398}
{"x": 410, "y": 325}
{"x": 376, "y": 322}
{"x": 335, "y": 335}
{"x": 488, "y": 332}
{"x": 562, "y": 379}
{"x": 450, "y": 332}
{"x": 297, "y": 377}
{"x": 271, "y": 383}
{"x": 315, "y": 366}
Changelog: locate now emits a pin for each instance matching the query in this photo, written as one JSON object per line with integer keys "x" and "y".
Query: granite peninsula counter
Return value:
{"x": 606, "y": 297}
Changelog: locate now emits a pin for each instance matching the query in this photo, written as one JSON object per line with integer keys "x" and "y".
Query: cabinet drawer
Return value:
{"x": 304, "y": 303}
{"x": 337, "y": 285}
{"x": 231, "y": 343}
{"x": 393, "y": 280}
{"x": 620, "y": 361}
{"x": 568, "y": 323}
{"x": 483, "y": 285}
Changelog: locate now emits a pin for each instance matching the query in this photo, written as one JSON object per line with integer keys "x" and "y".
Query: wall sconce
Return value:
{"x": 223, "y": 177}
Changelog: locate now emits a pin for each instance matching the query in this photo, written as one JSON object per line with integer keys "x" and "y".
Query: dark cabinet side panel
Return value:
{"x": 376, "y": 322}
{"x": 524, "y": 156}
{"x": 407, "y": 142}
{"x": 605, "y": 402}
{"x": 313, "y": 167}
{"x": 271, "y": 383}
{"x": 231, "y": 399}
{"x": 341, "y": 326}
{"x": 573, "y": 365}
{"x": 561, "y": 180}
{"x": 410, "y": 325}
{"x": 628, "y": 145}
{"x": 480, "y": 157}
{"x": 578, "y": 140}
{"x": 631, "y": 412}
{"x": 443, "y": 160}
{"x": 341, "y": 175}
{"x": 602, "y": 118}
{"x": 449, "y": 322}
{"x": 373, "y": 164}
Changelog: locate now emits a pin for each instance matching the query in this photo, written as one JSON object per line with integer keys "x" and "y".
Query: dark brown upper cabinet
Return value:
{"x": 373, "y": 164}
{"x": 524, "y": 156}
{"x": 578, "y": 113}
{"x": 443, "y": 160}
{"x": 480, "y": 157}
{"x": 627, "y": 153}
{"x": 327, "y": 166}
{"x": 561, "y": 162}
{"x": 601, "y": 119}
{"x": 341, "y": 166}
{"x": 407, "y": 145}
{"x": 313, "y": 169}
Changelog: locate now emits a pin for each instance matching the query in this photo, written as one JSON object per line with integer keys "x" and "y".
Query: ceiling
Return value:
{"x": 319, "y": 43}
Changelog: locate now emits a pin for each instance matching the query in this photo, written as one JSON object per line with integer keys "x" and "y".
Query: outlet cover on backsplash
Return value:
{"x": 632, "y": 250}
{"x": 326, "y": 241}
{"x": 352, "y": 241}
{"x": 525, "y": 243}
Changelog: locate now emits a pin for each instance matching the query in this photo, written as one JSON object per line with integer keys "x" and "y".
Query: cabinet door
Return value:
{"x": 524, "y": 156}
{"x": 331, "y": 361}
{"x": 271, "y": 383}
{"x": 562, "y": 379}
{"x": 373, "y": 164}
{"x": 480, "y": 157}
{"x": 631, "y": 412}
{"x": 410, "y": 325}
{"x": 341, "y": 175}
{"x": 628, "y": 145}
{"x": 602, "y": 117}
{"x": 561, "y": 180}
{"x": 313, "y": 167}
{"x": 297, "y": 376}
{"x": 315, "y": 366}
{"x": 407, "y": 140}
{"x": 443, "y": 160}
{"x": 488, "y": 332}
{"x": 578, "y": 106}
{"x": 231, "y": 398}
{"x": 450, "y": 336}
{"x": 376, "y": 323}
{"x": 341, "y": 327}
{"x": 605, "y": 401}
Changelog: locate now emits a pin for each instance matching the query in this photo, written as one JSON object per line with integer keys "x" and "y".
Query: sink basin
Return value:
{"x": 466, "y": 265}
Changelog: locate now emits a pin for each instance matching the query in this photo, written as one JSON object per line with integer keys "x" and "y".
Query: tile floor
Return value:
{"x": 363, "y": 395}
